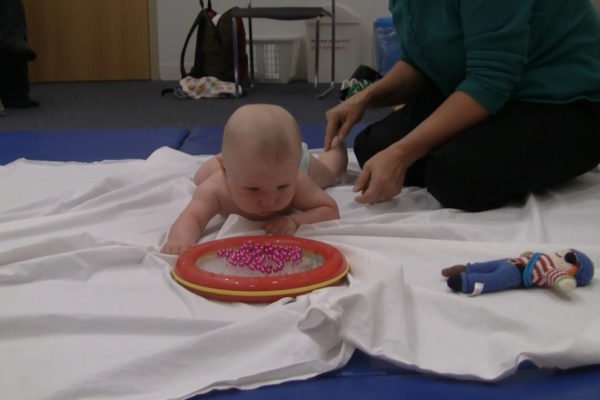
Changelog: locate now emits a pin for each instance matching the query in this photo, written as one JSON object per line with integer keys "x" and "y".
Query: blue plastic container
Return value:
{"x": 386, "y": 44}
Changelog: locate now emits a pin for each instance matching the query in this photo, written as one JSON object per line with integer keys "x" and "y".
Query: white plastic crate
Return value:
{"x": 275, "y": 59}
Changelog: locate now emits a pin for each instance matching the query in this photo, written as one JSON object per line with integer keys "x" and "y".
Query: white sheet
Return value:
{"x": 88, "y": 309}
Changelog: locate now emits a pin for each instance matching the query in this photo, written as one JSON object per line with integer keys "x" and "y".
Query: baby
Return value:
{"x": 264, "y": 172}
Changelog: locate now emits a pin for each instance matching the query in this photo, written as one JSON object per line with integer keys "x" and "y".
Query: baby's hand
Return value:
{"x": 172, "y": 247}
{"x": 280, "y": 225}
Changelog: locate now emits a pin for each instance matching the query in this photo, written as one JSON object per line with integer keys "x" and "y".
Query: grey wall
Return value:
{"x": 176, "y": 16}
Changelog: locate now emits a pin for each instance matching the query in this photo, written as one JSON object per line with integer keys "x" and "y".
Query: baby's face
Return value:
{"x": 263, "y": 189}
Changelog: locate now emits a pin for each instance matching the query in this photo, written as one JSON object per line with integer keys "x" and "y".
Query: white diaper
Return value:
{"x": 305, "y": 160}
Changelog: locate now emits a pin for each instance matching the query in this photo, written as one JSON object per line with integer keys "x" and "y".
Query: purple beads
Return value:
{"x": 264, "y": 257}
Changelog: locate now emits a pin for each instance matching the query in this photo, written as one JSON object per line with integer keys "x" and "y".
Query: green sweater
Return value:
{"x": 543, "y": 51}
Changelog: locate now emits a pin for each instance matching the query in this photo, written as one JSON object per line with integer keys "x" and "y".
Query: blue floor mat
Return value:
{"x": 207, "y": 139}
{"x": 365, "y": 377}
{"x": 87, "y": 145}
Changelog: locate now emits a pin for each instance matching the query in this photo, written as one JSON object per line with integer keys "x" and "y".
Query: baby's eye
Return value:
{"x": 283, "y": 187}
{"x": 252, "y": 189}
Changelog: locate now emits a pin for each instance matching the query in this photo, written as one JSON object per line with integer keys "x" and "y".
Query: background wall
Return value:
{"x": 175, "y": 17}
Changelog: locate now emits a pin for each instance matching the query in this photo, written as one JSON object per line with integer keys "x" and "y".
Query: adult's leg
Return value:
{"x": 524, "y": 148}
{"x": 13, "y": 31}
{"x": 395, "y": 126}
{"x": 14, "y": 54}
{"x": 14, "y": 84}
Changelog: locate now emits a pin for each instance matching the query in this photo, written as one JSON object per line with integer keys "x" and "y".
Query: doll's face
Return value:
{"x": 566, "y": 260}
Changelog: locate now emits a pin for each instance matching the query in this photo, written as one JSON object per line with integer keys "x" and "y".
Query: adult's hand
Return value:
{"x": 341, "y": 118}
{"x": 382, "y": 176}
{"x": 400, "y": 84}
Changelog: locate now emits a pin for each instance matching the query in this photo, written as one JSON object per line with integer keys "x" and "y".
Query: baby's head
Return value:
{"x": 261, "y": 153}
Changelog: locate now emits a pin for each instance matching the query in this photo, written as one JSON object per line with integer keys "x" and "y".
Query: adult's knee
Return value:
{"x": 457, "y": 184}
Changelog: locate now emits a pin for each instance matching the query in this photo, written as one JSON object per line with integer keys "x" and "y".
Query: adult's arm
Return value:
{"x": 382, "y": 176}
{"x": 399, "y": 85}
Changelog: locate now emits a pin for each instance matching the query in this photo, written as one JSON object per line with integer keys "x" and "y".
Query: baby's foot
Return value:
{"x": 340, "y": 156}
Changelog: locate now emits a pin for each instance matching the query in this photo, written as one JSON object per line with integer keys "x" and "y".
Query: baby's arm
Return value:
{"x": 312, "y": 204}
{"x": 190, "y": 224}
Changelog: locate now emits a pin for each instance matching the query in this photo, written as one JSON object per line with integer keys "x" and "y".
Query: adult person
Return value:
{"x": 502, "y": 98}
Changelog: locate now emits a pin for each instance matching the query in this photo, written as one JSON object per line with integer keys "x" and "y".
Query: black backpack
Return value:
{"x": 214, "y": 46}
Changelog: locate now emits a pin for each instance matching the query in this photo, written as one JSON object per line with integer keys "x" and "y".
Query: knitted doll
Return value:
{"x": 563, "y": 271}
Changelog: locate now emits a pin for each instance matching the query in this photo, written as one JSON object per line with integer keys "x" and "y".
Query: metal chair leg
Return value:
{"x": 236, "y": 61}
{"x": 317, "y": 51}
{"x": 333, "y": 42}
{"x": 251, "y": 48}
{"x": 332, "y": 84}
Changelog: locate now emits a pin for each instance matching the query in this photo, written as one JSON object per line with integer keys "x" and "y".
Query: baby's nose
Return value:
{"x": 267, "y": 200}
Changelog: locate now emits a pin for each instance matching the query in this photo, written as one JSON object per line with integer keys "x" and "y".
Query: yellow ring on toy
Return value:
{"x": 281, "y": 293}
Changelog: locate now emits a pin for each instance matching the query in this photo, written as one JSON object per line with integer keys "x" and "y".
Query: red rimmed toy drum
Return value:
{"x": 259, "y": 269}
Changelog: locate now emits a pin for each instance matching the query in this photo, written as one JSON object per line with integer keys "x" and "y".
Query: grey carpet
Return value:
{"x": 138, "y": 104}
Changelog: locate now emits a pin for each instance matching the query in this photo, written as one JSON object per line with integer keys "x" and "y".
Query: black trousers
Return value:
{"x": 524, "y": 148}
{"x": 14, "y": 75}
{"x": 14, "y": 82}
{"x": 12, "y": 19}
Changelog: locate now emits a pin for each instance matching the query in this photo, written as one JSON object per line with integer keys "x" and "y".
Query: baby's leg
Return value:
{"x": 207, "y": 168}
{"x": 330, "y": 165}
